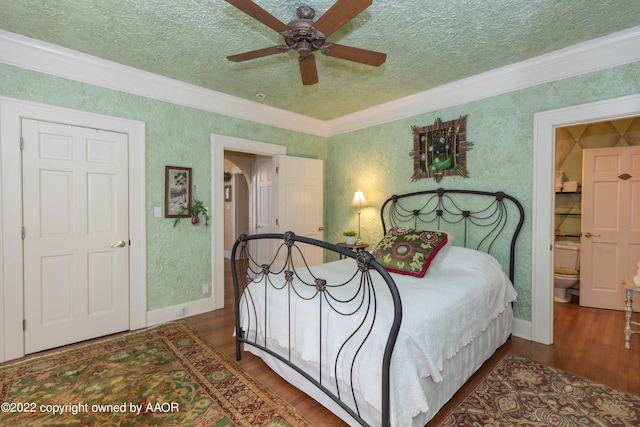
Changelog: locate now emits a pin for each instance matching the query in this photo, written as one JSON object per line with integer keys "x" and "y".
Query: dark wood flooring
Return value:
{"x": 588, "y": 342}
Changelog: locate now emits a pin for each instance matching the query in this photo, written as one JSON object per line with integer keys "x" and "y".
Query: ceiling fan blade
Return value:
{"x": 354, "y": 54}
{"x": 308, "y": 70}
{"x": 257, "y": 53}
{"x": 258, "y": 13}
{"x": 339, "y": 14}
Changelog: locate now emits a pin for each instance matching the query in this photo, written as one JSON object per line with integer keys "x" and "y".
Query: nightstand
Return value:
{"x": 631, "y": 289}
{"x": 355, "y": 247}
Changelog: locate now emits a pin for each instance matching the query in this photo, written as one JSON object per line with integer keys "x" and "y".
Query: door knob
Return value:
{"x": 320, "y": 228}
{"x": 587, "y": 234}
{"x": 120, "y": 244}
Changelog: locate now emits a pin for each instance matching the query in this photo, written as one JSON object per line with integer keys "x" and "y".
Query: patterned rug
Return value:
{"x": 520, "y": 392}
{"x": 168, "y": 375}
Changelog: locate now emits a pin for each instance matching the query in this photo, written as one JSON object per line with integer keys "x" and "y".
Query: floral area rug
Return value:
{"x": 168, "y": 375}
{"x": 520, "y": 392}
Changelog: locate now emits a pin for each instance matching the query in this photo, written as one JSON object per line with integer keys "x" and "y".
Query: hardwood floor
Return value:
{"x": 588, "y": 342}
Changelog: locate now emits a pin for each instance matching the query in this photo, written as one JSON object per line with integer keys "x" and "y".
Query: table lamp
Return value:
{"x": 359, "y": 201}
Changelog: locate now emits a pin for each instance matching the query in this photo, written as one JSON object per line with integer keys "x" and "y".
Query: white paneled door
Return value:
{"x": 264, "y": 221}
{"x": 289, "y": 197}
{"x": 301, "y": 207}
{"x": 76, "y": 233}
{"x": 610, "y": 244}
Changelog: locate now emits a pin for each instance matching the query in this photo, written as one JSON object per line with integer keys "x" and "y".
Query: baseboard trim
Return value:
{"x": 522, "y": 329}
{"x": 168, "y": 314}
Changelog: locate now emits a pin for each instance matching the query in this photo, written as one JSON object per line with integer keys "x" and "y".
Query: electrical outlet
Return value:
{"x": 205, "y": 288}
{"x": 181, "y": 312}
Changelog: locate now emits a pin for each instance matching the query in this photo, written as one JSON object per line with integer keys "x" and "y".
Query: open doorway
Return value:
{"x": 545, "y": 125}
{"x": 237, "y": 202}
{"x": 576, "y": 203}
{"x": 245, "y": 152}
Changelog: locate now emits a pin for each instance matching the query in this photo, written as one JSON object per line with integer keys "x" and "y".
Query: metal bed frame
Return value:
{"x": 442, "y": 209}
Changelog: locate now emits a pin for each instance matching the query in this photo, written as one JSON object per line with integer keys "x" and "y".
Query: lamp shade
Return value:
{"x": 359, "y": 200}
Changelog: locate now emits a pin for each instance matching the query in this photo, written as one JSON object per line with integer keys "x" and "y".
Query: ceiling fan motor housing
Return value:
{"x": 302, "y": 36}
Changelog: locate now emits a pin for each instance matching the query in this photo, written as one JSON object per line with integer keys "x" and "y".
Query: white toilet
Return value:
{"x": 566, "y": 267}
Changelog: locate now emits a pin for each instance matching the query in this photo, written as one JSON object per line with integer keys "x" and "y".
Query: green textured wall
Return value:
{"x": 377, "y": 160}
{"x": 178, "y": 259}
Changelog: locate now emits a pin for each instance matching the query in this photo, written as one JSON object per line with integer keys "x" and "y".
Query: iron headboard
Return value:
{"x": 480, "y": 220}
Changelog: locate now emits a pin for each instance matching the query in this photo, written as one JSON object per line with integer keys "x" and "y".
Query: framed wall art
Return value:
{"x": 440, "y": 149}
{"x": 177, "y": 197}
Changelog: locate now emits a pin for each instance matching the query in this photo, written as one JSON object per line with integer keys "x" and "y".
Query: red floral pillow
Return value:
{"x": 409, "y": 251}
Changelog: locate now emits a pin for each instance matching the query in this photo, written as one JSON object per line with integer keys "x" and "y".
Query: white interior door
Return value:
{"x": 264, "y": 220}
{"x": 265, "y": 207}
{"x": 75, "y": 197}
{"x": 610, "y": 244}
{"x": 300, "y": 201}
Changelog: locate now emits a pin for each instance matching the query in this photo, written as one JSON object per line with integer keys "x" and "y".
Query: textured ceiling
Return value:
{"x": 428, "y": 42}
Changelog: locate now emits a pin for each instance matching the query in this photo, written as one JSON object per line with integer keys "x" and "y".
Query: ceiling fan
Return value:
{"x": 306, "y": 35}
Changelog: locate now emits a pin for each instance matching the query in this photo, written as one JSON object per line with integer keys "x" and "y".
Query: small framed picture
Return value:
{"x": 177, "y": 197}
{"x": 227, "y": 193}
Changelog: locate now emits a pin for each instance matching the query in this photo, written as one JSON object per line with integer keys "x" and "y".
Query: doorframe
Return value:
{"x": 11, "y": 254}
{"x": 220, "y": 143}
{"x": 544, "y": 136}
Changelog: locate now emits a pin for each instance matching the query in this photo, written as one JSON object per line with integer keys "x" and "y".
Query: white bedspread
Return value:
{"x": 442, "y": 312}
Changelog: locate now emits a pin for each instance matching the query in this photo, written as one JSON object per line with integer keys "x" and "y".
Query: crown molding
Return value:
{"x": 615, "y": 49}
{"x": 55, "y": 60}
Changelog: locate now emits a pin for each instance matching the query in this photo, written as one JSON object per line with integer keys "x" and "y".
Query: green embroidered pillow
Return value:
{"x": 408, "y": 251}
